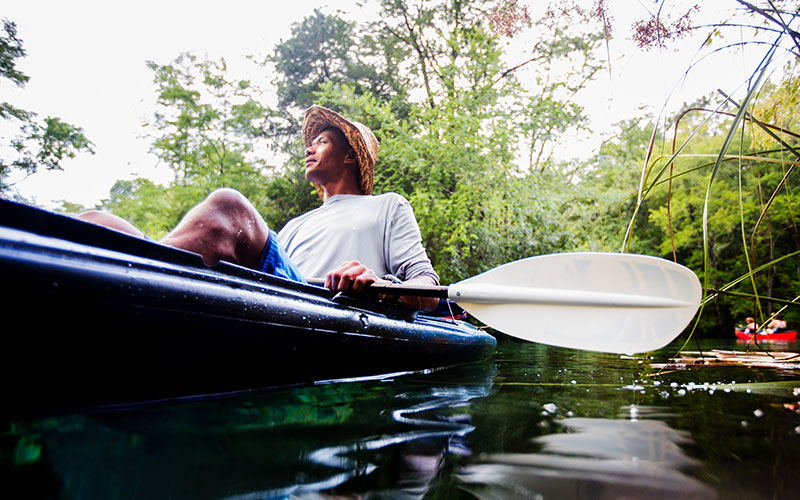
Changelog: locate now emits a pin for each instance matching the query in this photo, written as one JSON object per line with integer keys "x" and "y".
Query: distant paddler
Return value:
{"x": 777, "y": 324}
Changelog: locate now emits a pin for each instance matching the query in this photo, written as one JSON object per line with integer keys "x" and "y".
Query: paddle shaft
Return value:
{"x": 499, "y": 294}
{"x": 409, "y": 290}
{"x": 398, "y": 289}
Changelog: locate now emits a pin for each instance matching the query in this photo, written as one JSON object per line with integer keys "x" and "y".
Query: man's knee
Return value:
{"x": 228, "y": 201}
{"x": 227, "y": 209}
{"x": 224, "y": 226}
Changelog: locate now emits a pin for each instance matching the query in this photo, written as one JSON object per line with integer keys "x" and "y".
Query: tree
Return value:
{"x": 321, "y": 51}
{"x": 453, "y": 153}
{"x": 212, "y": 131}
{"x": 38, "y": 145}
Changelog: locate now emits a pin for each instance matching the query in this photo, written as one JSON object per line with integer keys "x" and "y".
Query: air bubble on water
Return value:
{"x": 634, "y": 387}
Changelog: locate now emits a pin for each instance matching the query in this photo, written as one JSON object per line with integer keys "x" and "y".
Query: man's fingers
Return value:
{"x": 364, "y": 279}
{"x": 350, "y": 276}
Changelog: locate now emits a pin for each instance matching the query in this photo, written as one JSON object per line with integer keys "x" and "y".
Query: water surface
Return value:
{"x": 531, "y": 422}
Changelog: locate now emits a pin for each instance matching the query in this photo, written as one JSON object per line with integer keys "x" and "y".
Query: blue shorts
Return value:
{"x": 274, "y": 260}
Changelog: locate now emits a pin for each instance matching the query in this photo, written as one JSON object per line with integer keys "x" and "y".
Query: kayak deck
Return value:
{"x": 108, "y": 318}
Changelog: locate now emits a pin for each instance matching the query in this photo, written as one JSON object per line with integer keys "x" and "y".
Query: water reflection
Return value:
{"x": 636, "y": 456}
{"x": 339, "y": 440}
{"x": 414, "y": 457}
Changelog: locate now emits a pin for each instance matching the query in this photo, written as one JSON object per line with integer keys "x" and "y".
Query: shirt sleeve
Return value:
{"x": 405, "y": 256}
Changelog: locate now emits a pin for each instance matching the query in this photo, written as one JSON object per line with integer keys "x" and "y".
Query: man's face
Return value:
{"x": 329, "y": 157}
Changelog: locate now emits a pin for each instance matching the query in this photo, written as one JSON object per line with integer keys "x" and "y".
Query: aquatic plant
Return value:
{"x": 725, "y": 194}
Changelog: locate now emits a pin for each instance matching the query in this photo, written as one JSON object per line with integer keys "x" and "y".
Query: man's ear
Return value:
{"x": 350, "y": 157}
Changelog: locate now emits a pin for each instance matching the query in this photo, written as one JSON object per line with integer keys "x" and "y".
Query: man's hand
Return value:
{"x": 351, "y": 276}
{"x": 354, "y": 276}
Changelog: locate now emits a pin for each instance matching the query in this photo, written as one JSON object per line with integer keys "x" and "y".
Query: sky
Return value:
{"x": 86, "y": 60}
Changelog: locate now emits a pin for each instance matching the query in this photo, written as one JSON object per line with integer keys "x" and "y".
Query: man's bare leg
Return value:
{"x": 110, "y": 220}
{"x": 224, "y": 226}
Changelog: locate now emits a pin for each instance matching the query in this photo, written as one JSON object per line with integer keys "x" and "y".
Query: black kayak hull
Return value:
{"x": 107, "y": 319}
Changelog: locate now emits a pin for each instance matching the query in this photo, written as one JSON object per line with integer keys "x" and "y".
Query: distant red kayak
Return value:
{"x": 784, "y": 336}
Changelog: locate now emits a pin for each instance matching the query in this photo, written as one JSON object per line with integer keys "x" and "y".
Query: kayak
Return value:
{"x": 786, "y": 336}
{"x": 105, "y": 318}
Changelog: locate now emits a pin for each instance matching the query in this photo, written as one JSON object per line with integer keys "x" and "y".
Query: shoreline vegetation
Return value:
{"x": 470, "y": 143}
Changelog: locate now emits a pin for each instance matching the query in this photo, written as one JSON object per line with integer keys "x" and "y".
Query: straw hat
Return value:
{"x": 360, "y": 138}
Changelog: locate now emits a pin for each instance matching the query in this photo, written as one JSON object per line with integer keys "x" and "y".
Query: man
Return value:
{"x": 351, "y": 240}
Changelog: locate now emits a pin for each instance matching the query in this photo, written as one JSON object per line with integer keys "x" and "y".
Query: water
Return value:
{"x": 532, "y": 422}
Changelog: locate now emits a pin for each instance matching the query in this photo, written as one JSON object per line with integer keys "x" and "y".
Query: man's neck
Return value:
{"x": 342, "y": 187}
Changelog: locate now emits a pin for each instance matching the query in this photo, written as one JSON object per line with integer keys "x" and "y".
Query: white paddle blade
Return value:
{"x": 608, "y": 302}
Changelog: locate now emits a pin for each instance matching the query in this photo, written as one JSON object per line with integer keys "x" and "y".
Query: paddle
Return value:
{"x": 620, "y": 303}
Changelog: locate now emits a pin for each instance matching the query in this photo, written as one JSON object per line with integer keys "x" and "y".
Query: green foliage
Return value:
{"x": 212, "y": 131}
{"x": 206, "y": 123}
{"x": 602, "y": 203}
{"x": 321, "y": 51}
{"x": 11, "y": 50}
{"x": 70, "y": 208}
{"x": 37, "y": 145}
{"x": 152, "y": 208}
{"x": 453, "y": 154}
